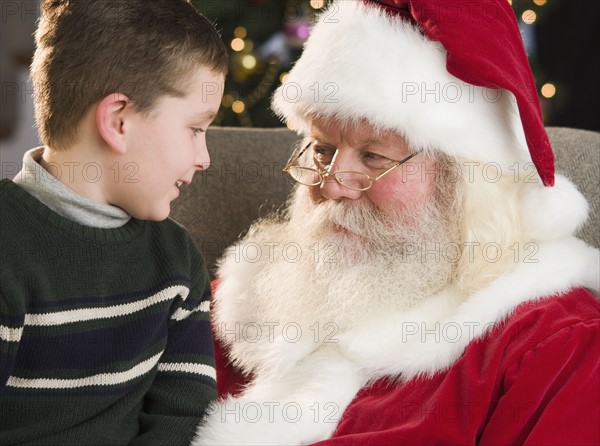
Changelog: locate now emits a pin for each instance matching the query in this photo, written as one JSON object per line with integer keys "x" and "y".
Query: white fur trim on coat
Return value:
{"x": 431, "y": 337}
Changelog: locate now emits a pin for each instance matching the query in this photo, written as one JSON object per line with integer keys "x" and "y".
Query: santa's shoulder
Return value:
{"x": 532, "y": 323}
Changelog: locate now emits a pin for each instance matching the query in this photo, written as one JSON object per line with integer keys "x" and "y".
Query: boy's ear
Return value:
{"x": 110, "y": 120}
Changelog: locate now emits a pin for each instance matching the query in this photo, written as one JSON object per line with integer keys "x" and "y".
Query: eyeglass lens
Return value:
{"x": 311, "y": 177}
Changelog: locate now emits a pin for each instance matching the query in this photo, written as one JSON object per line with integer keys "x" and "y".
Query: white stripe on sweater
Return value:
{"x": 181, "y": 313}
{"x": 10, "y": 334}
{"x": 88, "y": 314}
{"x": 188, "y": 367}
{"x": 103, "y": 379}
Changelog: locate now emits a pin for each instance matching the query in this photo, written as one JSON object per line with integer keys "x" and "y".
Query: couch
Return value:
{"x": 245, "y": 182}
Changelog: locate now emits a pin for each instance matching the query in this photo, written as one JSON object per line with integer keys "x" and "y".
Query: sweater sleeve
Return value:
{"x": 11, "y": 329}
{"x": 185, "y": 381}
{"x": 552, "y": 393}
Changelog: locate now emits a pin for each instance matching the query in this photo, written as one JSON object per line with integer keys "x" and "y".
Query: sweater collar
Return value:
{"x": 62, "y": 200}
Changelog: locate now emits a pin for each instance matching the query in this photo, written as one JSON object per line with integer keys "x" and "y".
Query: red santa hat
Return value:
{"x": 450, "y": 76}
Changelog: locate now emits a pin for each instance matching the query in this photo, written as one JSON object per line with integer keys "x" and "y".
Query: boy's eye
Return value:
{"x": 197, "y": 130}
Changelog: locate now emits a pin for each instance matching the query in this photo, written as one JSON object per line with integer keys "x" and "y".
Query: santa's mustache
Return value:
{"x": 362, "y": 218}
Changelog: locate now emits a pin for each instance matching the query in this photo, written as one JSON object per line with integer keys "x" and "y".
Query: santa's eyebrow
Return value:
{"x": 369, "y": 142}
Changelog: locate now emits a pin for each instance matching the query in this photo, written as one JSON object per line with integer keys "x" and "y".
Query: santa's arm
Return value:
{"x": 552, "y": 392}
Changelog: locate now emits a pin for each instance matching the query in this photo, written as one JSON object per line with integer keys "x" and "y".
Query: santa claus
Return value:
{"x": 423, "y": 285}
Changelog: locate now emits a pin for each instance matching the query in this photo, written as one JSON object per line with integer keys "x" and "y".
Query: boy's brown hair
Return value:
{"x": 88, "y": 49}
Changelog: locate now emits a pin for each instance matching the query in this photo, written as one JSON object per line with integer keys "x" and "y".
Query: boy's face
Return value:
{"x": 165, "y": 148}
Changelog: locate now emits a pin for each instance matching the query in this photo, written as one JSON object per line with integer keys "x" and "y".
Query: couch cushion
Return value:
{"x": 243, "y": 183}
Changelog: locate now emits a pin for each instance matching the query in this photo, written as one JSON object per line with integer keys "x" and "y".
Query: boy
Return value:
{"x": 104, "y": 326}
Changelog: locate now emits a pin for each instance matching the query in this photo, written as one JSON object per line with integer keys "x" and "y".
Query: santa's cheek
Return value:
{"x": 405, "y": 196}
{"x": 388, "y": 194}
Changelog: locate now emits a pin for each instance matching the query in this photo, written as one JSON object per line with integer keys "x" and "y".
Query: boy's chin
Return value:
{"x": 153, "y": 213}
{"x": 159, "y": 215}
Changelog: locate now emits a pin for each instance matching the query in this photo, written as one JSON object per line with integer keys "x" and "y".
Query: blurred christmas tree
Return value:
{"x": 265, "y": 37}
{"x": 531, "y": 16}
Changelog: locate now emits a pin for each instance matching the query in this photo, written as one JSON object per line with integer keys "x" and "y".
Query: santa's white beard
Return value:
{"x": 339, "y": 263}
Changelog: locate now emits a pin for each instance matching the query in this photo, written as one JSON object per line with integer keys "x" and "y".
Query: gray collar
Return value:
{"x": 62, "y": 200}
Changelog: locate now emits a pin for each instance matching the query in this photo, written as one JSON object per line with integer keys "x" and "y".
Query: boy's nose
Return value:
{"x": 202, "y": 157}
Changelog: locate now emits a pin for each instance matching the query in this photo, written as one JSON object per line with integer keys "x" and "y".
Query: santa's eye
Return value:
{"x": 376, "y": 161}
{"x": 323, "y": 154}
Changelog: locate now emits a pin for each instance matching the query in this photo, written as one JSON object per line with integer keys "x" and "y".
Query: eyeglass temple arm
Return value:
{"x": 296, "y": 158}
{"x": 398, "y": 163}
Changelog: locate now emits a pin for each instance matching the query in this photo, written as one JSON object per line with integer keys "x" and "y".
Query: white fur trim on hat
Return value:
{"x": 550, "y": 213}
{"x": 361, "y": 63}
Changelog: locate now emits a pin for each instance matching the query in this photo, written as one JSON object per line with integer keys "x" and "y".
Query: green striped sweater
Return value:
{"x": 105, "y": 334}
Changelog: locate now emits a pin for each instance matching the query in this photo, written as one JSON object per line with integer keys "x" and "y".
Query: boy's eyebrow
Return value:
{"x": 204, "y": 115}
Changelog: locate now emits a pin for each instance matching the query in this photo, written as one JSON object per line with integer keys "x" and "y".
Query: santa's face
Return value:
{"x": 360, "y": 147}
{"x": 340, "y": 260}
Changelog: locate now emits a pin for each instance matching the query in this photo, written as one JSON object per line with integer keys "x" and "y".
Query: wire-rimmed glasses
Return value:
{"x": 359, "y": 181}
